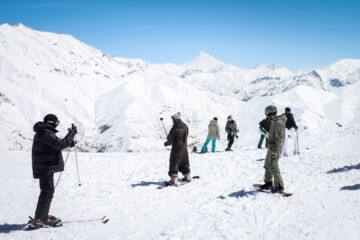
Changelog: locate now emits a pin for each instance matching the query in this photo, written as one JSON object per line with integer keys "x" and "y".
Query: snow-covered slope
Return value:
{"x": 117, "y": 102}
{"x": 222, "y": 204}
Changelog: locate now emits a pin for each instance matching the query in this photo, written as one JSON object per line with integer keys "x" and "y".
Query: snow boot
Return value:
{"x": 187, "y": 177}
{"x": 174, "y": 181}
{"x": 277, "y": 189}
{"x": 266, "y": 186}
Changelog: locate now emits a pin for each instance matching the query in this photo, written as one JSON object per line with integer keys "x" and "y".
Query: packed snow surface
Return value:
{"x": 222, "y": 204}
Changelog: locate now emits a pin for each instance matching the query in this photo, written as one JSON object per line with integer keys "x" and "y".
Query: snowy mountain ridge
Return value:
{"x": 117, "y": 102}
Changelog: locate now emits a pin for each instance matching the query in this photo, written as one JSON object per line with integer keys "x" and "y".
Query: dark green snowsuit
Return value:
{"x": 275, "y": 145}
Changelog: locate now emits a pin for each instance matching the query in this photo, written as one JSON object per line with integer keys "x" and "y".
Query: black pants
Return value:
{"x": 231, "y": 141}
{"x": 46, "y": 195}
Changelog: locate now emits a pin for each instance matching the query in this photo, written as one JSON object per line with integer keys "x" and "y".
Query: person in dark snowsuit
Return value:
{"x": 264, "y": 127}
{"x": 231, "y": 130}
{"x": 46, "y": 160}
{"x": 290, "y": 130}
{"x": 179, "y": 156}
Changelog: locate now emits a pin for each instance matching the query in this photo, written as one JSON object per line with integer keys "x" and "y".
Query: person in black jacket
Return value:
{"x": 46, "y": 160}
{"x": 290, "y": 129}
{"x": 264, "y": 128}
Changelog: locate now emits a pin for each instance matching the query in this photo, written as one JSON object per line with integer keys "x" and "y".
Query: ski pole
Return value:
{"x": 161, "y": 119}
{"x": 77, "y": 166}
{"x": 297, "y": 140}
{"x": 67, "y": 156}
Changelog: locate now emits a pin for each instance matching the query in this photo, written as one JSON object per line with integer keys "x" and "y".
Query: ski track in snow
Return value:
{"x": 222, "y": 204}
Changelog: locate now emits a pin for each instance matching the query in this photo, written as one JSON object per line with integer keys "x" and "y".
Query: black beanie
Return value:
{"x": 215, "y": 118}
{"x": 52, "y": 120}
{"x": 287, "y": 109}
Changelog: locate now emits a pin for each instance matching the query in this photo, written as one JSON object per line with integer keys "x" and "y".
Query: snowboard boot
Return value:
{"x": 174, "y": 181}
{"x": 187, "y": 177}
{"x": 228, "y": 149}
{"x": 266, "y": 186}
{"x": 279, "y": 189}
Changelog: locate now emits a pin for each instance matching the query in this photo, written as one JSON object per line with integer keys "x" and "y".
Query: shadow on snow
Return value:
{"x": 241, "y": 193}
{"x": 344, "y": 169}
{"x": 352, "y": 188}
{"x": 7, "y": 228}
{"x": 145, "y": 184}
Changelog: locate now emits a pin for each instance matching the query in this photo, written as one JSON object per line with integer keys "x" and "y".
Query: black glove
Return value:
{"x": 237, "y": 136}
{"x": 72, "y": 144}
{"x": 165, "y": 144}
{"x": 73, "y": 129}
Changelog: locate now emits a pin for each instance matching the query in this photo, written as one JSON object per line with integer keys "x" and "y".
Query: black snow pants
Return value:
{"x": 47, "y": 192}
{"x": 231, "y": 141}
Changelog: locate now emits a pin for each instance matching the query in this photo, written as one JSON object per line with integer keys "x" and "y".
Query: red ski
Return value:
{"x": 284, "y": 194}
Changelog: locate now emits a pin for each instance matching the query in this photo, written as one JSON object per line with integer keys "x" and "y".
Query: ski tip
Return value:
{"x": 105, "y": 221}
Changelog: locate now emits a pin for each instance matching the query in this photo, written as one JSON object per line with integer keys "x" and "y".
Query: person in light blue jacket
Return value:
{"x": 213, "y": 134}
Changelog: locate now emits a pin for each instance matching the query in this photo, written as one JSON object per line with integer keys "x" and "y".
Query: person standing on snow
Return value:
{"x": 214, "y": 133}
{"x": 290, "y": 124}
{"x": 264, "y": 127}
{"x": 275, "y": 145}
{"x": 179, "y": 156}
{"x": 46, "y": 160}
{"x": 231, "y": 130}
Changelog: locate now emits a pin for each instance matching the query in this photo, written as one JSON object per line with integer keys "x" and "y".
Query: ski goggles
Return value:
{"x": 55, "y": 123}
{"x": 229, "y": 119}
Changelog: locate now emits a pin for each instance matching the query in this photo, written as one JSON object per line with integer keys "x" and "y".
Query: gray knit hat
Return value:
{"x": 176, "y": 116}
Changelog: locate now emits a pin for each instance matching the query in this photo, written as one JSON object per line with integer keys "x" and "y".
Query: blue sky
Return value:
{"x": 299, "y": 34}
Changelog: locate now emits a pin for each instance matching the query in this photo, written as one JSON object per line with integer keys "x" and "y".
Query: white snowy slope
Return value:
{"x": 222, "y": 204}
{"x": 117, "y": 102}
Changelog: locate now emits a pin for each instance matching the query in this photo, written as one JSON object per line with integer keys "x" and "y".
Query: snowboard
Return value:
{"x": 181, "y": 183}
{"x": 284, "y": 194}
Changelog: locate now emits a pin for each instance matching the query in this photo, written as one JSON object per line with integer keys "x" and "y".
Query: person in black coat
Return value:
{"x": 264, "y": 128}
{"x": 179, "y": 156}
{"x": 290, "y": 129}
{"x": 46, "y": 160}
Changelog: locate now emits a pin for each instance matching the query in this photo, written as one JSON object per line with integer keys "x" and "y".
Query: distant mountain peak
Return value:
{"x": 203, "y": 60}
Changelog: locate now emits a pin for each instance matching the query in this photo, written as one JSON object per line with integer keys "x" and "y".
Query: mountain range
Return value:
{"x": 117, "y": 102}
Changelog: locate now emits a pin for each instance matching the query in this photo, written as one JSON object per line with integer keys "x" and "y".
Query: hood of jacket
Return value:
{"x": 281, "y": 119}
{"x": 213, "y": 123}
{"x": 41, "y": 125}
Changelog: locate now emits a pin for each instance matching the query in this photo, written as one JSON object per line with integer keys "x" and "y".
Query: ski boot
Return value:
{"x": 187, "y": 177}
{"x": 279, "y": 189}
{"x": 228, "y": 149}
{"x": 174, "y": 181}
{"x": 266, "y": 186}
{"x": 51, "y": 221}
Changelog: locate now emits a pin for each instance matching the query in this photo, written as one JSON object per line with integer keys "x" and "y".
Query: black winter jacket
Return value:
{"x": 46, "y": 150}
{"x": 290, "y": 123}
{"x": 265, "y": 124}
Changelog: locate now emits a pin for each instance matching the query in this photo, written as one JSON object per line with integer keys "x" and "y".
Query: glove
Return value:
{"x": 73, "y": 129}
{"x": 165, "y": 144}
{"x": 296, "y": 129}
{"x": 72, "y": 144}
{"x": 237, "y": 136}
